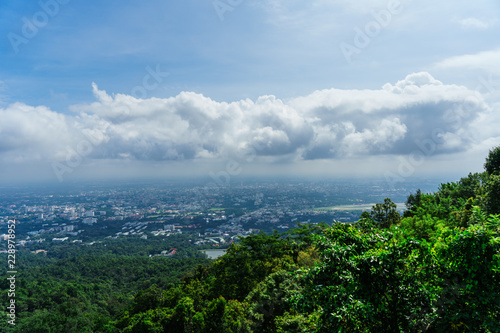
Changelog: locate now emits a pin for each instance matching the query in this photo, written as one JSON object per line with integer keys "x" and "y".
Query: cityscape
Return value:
{"x": 87, "y": 213}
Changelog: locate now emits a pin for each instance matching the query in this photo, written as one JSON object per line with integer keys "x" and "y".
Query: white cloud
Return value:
{"x": 391, "y": 120}
{"x": 328, "y": 124}
{"x": 33, "y": 133}
{"x": 378, "y": 139}
{"x": 472, "y": 23}
{"x": 486, "y": 60}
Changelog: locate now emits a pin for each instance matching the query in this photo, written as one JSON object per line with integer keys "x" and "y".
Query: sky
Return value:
{"x": 391, "y": 89}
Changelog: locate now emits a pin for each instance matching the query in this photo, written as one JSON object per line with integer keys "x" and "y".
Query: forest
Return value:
{"x": 434, "y": 268}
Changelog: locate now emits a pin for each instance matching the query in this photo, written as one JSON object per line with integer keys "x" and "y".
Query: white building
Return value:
{"x": 89, "y": 220}
{"x": 68, "y": 228}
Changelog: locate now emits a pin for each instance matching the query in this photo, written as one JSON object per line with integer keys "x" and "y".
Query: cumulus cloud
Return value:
{"x": 392, "y": 120}
{"x": 33, "y": 133}
{"x": 327, "y": 124}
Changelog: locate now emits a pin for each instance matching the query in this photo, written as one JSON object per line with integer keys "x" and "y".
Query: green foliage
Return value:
{"x": 470, "y": 280}
{"x": 465, "y": 188}
{"x": 242, "y": 291}
{"x": 293, "y": 322}
{"x": 412, "y": 203}
{"x": 245, "y": 265}
{"x": 420, "y": 227}
{"x": 84, "y": 293}
{"x": 308, "y": 258}
{"x": 385, "y": 214}
{"x": 270, "y": 299}
{"x": 367, "y": 282}
{"x": 492, "y": 199}
{"x": 382, "y": 216}
{"x": 492, "y": 164}
{"x": 366, "y": 223}
{"x": 147, "y": 299}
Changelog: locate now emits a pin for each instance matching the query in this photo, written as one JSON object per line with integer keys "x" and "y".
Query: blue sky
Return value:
{"x": 331, "y": 87}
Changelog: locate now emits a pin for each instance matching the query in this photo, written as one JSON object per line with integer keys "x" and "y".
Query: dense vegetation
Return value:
{"x": 80, "y": 288}
{"x": 436, "y": 268}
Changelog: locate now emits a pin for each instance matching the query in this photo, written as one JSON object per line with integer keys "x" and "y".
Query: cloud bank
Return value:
{"x": 328, "y": 124}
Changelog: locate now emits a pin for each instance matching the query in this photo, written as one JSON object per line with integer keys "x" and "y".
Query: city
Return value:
{"x": 87, "y": 214}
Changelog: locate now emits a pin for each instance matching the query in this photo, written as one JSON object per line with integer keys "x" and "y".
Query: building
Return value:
{"x": 68, "y": 228}
{"x": 89, "y": 220}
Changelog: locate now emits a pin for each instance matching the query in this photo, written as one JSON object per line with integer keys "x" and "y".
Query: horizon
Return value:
{"x": 207, "y": 187}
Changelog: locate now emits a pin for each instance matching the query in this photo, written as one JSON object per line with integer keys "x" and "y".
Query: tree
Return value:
{"x": 245, "y": 265}
{"x": 368, "y": 283}
{"x": 412, "y": 203}
{"x": 492, "y": 164}
{"x": 493, "y": 195}
{"x": 365, "y": 222}
{"x": 413, "y": 200}
{"x": 270, "y": 299}
{"x": 470, "y": 278}
{"x": 147, "y": 299}
{"x": 385, "y": 213}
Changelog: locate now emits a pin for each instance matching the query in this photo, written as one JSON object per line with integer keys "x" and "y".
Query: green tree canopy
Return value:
{"x": 385, "y": 213}
{"x": 492, "y": 164}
